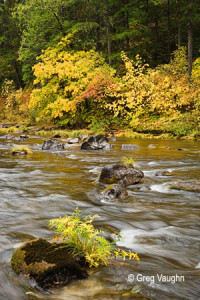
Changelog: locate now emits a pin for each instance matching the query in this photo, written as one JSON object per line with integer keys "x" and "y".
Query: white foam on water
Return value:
{"x": 149, "y": 173}
{"x": 128, "y": 237}
{"x": 153, "y": 163}
{"x": 36, "y": 172}
{"x": 160, "y": 188}
{"x": 197, "y": 266}
{"x": 95, "y": 170}
{"x": 72, "y": 156}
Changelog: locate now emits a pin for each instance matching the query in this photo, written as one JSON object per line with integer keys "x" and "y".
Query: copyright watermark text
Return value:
{"x": 153, "y": 278}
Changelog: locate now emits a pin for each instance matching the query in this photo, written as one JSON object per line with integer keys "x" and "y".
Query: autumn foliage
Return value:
{"x": 78, "y": 88}
{"x": 66, "y": 83}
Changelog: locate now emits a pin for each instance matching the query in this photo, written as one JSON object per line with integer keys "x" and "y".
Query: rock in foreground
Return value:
{"x": 96, "y": 142}
{"x": 48, "y": 264}
{"x": 124, "y": 174}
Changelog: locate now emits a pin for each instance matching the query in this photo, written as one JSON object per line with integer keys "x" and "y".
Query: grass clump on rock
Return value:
{"x": 21, "y": 150}
{"x": 128, "y": 160}
{"x": 83, "y": 239}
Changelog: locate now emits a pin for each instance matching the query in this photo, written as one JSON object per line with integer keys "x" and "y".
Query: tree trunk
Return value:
{"x": 168, "y": 28}
{"x": 108, "y": 28}
{"x": 190, "y": 44}
{"x": 127, "y": 24}
{"x": 98, "y": 31}
{"x": 179, "y": 24}
{"x": 179, "y": 35}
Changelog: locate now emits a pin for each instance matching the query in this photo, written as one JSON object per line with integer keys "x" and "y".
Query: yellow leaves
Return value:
{"x": 62, "y": 76}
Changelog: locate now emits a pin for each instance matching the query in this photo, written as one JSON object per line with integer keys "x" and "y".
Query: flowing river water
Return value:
{"x": 160, "y": 224}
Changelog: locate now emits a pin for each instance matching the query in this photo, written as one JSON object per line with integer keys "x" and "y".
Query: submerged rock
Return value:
{"x": 124, "y": 174}
{"x": 115, "y": 191}
{"x": 52, "y": 145}
{"x": 96, "y": 142}
{"x": 129, "y": 147}
{"x": 48, "y": 264}
{"x": 186, "y": 187}
{"x": 163, "y": 173}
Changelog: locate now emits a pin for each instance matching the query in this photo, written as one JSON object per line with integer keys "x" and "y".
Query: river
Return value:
{"x": 160, "y": 224}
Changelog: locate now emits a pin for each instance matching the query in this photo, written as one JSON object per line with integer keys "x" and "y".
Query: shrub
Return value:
{"x": 65, "y": 84}
{"x": 83, "y": 239}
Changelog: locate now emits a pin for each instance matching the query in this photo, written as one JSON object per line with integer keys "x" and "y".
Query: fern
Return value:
{"x": 83, "y": 239}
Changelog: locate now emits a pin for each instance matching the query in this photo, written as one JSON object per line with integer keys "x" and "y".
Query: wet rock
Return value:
{"x": 182, "y": 149}
{"x": 124, "y": 174}
{"x": 189, "y": 187}
{"x": 57, "y": 136}
{"x": 19, "y": 152}
{"x": 129, "y": 147}
{"x": 48, "y": 264}
{"x": 24, "y": 136}
{"x": 73, "y": 141}
{"x": 7, "y": 136}
{"x": 115, "y": 191}
{"x": 96, "y": 142}
{"x": 18, "y": 138}
{"x": 52, "y": 145}
{"x": 12, "y": 137}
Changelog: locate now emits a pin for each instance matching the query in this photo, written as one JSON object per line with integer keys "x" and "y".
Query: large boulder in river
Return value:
{"x": 96, "y": 142}
{"x": 52, "y": 145}
{"x": 115, "y": 191}
{"x": 124, "y": 174}
{"x": 48, "y": 264}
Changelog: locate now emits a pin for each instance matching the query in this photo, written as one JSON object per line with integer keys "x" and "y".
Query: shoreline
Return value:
{"x": 51, "y": 130}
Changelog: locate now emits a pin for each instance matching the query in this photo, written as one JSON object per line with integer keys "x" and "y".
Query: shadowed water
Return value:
{"x": 160, "y": 224}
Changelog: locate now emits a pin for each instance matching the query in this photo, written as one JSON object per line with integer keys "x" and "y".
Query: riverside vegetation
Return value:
{"x": 78, "y": 89}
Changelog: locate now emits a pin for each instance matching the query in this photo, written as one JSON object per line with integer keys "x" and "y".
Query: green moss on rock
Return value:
{"x": 49, "y": 264}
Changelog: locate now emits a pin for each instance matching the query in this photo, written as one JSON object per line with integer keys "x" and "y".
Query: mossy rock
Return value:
{"x": 96, "y": 142}
{"x": 189, "y": 187}
{"x": 124, "y": 174}
{"x": 115, "y": 191}
{"x": 49, "y": 264}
